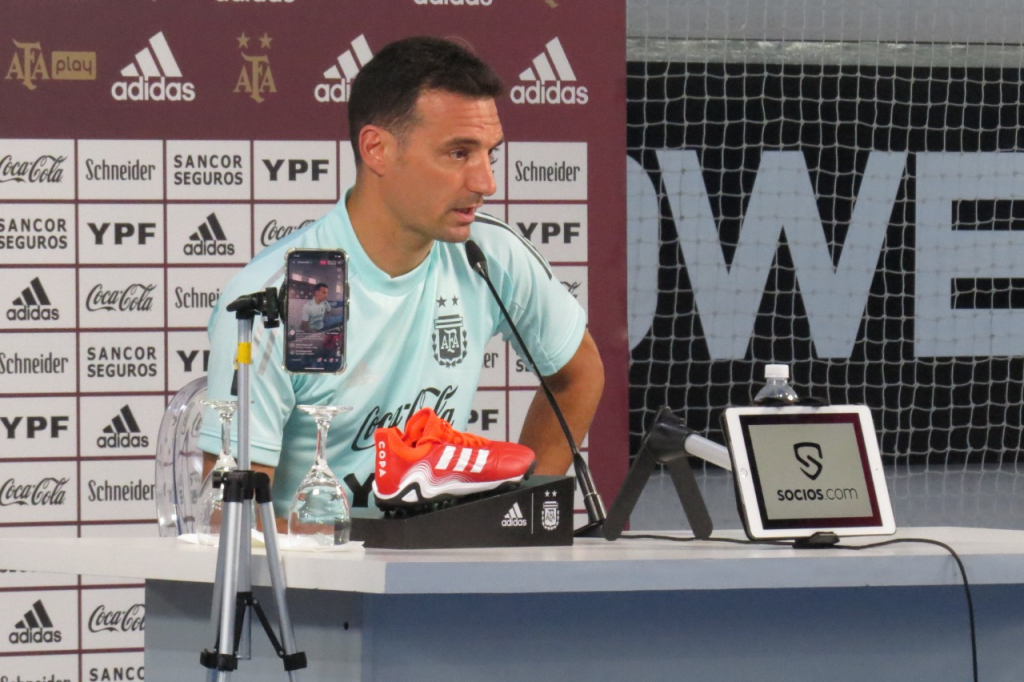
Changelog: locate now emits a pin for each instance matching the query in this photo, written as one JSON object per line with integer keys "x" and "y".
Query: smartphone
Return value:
{"x": 316, "y": 311}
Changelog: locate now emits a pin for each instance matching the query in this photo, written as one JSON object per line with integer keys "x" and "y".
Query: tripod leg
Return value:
{"x": 230, "y": 531}
{"x": 293, "y": 660}
{"x": 245, "y": 577}
{"x": 215, "y": 605}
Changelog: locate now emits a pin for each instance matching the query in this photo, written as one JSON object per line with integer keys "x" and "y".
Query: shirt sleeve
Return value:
{"x": 272, "y": 393}
{"x": 549, "y": 318}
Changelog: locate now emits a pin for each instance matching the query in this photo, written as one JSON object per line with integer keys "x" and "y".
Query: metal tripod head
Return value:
{"x": 268, "y": 304}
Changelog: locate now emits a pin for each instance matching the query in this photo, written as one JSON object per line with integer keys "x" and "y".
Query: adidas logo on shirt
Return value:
{"x": 344, "y": 72}
{"x": 209, "y": 240}
{"x": 152, "y": 67}
{"x": 514, "y": 518}
{"x": 123, "y": 432}
{"x": 33, "y": 304}
{"x": 552, "y": 80}
{"x": 35, "y": 627}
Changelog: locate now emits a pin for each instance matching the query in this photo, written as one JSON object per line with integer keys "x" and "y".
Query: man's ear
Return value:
{"x": 376, "y": 148}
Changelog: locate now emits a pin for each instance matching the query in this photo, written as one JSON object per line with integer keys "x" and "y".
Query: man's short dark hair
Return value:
{"x": 385, "y": 91}
{"x": 319, "y": 286}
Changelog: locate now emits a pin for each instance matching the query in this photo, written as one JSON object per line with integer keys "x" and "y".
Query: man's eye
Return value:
{"x": 493, "y": 157}
{"x": 458, "y": 154}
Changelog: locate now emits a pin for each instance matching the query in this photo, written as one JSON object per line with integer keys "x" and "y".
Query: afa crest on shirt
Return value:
{"x": 449, "y": 340}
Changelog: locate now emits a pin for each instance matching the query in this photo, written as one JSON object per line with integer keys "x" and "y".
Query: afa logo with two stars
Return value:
{"x": 256, "y": 77}
{"x": 449, "y": 338}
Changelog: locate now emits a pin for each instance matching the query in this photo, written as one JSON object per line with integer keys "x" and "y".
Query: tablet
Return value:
{"x": 804, "y": 470}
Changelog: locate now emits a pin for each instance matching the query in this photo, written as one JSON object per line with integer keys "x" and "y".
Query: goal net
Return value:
{"x": 839, "y": 187}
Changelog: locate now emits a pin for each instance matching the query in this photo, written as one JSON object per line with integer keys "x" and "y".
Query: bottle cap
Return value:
{"x": 776, "y": 371}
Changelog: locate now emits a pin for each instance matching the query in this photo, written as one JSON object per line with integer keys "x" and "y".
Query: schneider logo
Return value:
{"x": 35, "y": 627}
{"x": 514, "y": 518}
{"x": 33, "y": 304}
{"x": 123, "y": 432}
{"x": 550, "y": 85}
{"x": 343, "y": 72}
{"x": 153, "y": 66}
{"x": 209, "y": 240}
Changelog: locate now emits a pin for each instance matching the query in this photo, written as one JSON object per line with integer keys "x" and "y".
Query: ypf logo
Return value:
{"x": 35, "y": 627}
{"x": 339, "y": 77}
{"x": 810, "y": 459}
{"x": 157, "y": 76}
{"x": 551, "y": 78}
{"x": 124, "y": 233}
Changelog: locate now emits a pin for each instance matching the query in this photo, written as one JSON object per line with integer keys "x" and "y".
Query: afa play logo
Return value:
{"x": 550, "y": 79}
{"x": 340, "y": 75}
{"x": 35, "y": 627}
{"x": 155, "y": 76}
{"x": 29, "y": 66}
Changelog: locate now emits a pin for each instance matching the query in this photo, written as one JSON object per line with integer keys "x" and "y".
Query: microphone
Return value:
{"x": 591, "y": 499}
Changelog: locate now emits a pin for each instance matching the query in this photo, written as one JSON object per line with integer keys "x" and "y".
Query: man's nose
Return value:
{"x": 481, "y": 178}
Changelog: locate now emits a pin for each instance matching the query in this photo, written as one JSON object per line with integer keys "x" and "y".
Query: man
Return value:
{"x": 425, "y": 127}
{"x": 315, "y": 310}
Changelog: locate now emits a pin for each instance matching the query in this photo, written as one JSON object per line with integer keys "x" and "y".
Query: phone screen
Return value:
{"x": 317, "y": 311}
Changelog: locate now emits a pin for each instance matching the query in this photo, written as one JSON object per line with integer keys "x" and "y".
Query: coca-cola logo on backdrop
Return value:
{"x": 45, "y": 168}
{"x": 274, "y": 231}
{"x": 48, "y": 491}
{"x": 131, "y": 619}
{"x": 134, "y": 297}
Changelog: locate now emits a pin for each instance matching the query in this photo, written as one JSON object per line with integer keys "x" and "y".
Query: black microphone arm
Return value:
{"x": 591, "y": 499}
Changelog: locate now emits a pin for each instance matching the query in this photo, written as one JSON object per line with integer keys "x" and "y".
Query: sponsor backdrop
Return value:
{"x": 144, "y": 161}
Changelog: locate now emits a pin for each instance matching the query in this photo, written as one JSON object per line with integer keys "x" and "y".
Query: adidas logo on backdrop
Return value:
{"x": 123, "y": 432}
{"x": 152, "y": 67}
{"x": 344, "y": 72}
{"x": 33, "y": 304}
{"x": 209, "y": 240}
{"x": 35, "y": 627}
{"x": 552, "y": 77}
{"x": 514, "y": 518}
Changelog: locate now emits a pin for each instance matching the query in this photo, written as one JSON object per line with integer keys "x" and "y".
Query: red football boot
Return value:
{"x": 432, "y": 462}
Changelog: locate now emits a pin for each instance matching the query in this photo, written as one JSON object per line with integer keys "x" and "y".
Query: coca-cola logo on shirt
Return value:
{"x": 132, "y": 619}
{"x": 134, "y": 297}
{"x": 274, "y": 231}
{"x": 48, "y": 491}
{"x": 46, "y": 168}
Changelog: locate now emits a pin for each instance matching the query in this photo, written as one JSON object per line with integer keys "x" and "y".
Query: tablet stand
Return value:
{"x": 665, "y": 443}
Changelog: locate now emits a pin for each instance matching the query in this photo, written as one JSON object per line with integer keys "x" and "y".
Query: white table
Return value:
{"x": 634, "y": 609}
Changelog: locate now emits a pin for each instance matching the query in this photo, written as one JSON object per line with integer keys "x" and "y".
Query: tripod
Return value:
{"x": 233, "y": 600}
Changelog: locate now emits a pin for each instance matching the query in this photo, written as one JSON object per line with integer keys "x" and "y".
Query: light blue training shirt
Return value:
{"x": 413, "y": 341}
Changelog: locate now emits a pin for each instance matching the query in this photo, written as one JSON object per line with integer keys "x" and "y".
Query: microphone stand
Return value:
{"x": 591, "y": 499}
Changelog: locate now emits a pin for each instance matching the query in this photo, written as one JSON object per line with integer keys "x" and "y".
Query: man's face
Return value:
{"x": 442, "y": 168}
{"x": 320, "y": 295}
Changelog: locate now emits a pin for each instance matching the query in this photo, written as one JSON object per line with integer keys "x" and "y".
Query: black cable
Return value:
{"x": 883, "y": 543}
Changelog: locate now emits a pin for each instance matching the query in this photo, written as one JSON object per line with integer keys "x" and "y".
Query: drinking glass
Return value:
{"x": 210, "y": 505}
{"x": 320, "y": 510}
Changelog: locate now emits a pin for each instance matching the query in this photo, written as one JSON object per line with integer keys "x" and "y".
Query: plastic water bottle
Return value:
{"x": 777, "y": 389}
